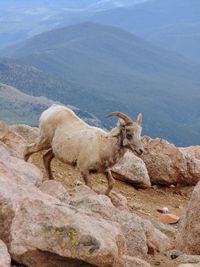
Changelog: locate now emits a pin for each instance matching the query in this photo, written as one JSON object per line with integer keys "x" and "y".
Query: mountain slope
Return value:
{"x": 117, "y": 70}
{"x": 18, "y": 107}
{"x": 173, "y": 24}
{"x": 23, "y": 19}
{"x": 35, "y": 82}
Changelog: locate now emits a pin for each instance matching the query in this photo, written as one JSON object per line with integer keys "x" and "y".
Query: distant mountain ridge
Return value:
{"x": 172, "y": 24}
{"x": 18, "y": 107}
{"x": 110, "y": 69}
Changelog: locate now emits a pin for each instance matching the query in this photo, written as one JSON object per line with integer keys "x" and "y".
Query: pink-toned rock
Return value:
{"x": 46, "y": 259}
{"x": 134, "y": 262}
{"x": 30, "y": 134}
{"x": 156, "y": 240}
{"x": 132, "y": 169}
{"x": 192, "y": 151}
{"x": 55, "y": 189}
{"x": 100, "y": 206}
{"x": 5, "y": 260}
{"x": 12, "y": 139}
{"x": 185, "y": 258}
{"x": 169, "y": 218}
{"x": 189, "y": 265}
{"x": 167, "y": 229}
{"x": 12, "y": 166}
{"x": 188, "y": 238}
{"x": 140, "y": 234}
{"x": 32, "y": 220}
{"x": 167, "y": 165}
{"x": 119, "y": 200}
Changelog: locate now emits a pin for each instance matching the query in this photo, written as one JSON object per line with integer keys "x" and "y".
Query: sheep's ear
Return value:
{"x": 139, "y": 119}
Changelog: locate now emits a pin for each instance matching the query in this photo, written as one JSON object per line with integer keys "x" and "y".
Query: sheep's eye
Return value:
{"x": 129, "y": 136}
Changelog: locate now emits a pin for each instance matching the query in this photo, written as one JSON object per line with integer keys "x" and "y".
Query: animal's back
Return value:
{"x": 55, "y": 116}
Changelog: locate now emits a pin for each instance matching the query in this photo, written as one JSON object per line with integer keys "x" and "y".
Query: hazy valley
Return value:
{"x": 102, "y": 68}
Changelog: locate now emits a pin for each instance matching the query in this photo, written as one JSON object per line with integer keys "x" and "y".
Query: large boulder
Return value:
{"x": 132, "y": 169}
{"x": 134, "y": 262}
{"x": 30, "y": 134}
{"x": 167, "y": 165}
{"x": 193, "y": 151}
{"x": 140, "y": 234}
{"x": 11, "y": 166}
{"x": 13, "y": 140}
{"x": 188, "y": 238}
{"x": 5, "y": 260}
{"x": 34, "y": 221}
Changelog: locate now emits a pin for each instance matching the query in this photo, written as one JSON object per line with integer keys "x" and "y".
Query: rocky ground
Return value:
{"x": 63, "y": 223}
{"x": 143, "y": 202}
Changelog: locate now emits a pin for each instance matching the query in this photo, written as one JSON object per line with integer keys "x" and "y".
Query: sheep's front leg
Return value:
{"x": 85, "y": 176}
{"x": 111, "y": 182}
{"x": 47, "y": 158}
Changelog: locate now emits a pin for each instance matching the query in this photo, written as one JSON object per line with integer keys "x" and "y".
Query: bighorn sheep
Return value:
{"x": 72, "y": 141}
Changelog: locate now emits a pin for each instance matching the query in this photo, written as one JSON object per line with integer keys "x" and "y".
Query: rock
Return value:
{"x": 100, "y": 206}
{"x": 169, "y": 218}
{"x": 184, "y": 258}
{"x": 192, "y": 151}
{"x": 32, "y": 220}
{"x": 167, "y": 165}
{"x": 134, "y": 262}
{"x": 173, "y": 254}
{"x": 55, "y": 189}
{"x": 46, "y": 259}
{"x": 12, "y": 140}
{"x": 189, "y": 265}
{"x": 156, "y": 240}
{"x": 167, "y": 229}
{"x": 132, "y": 169}
{"x": 139, "y": 233}
{"x": 5, "y": 260}
{"x": 30, "y": 134}
{"x": 11, "y": 166}
{"x": 163, "y": 210}
{"x": 188, "y": 238}
{"x": 118, "y": 200}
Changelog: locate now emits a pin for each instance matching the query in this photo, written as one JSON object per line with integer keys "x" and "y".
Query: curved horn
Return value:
{"x": 121, "y": 115}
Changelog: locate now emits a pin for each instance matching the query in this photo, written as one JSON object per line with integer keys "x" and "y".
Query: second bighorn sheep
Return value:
{"x": 73, "y": 141}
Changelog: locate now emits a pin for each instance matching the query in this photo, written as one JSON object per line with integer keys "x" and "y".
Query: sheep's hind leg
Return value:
{"x": 47, "y": 158}
{"x": 86, "y": 179}
{"x": 111, "y": 182}
{"x": 35, "y": 147}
